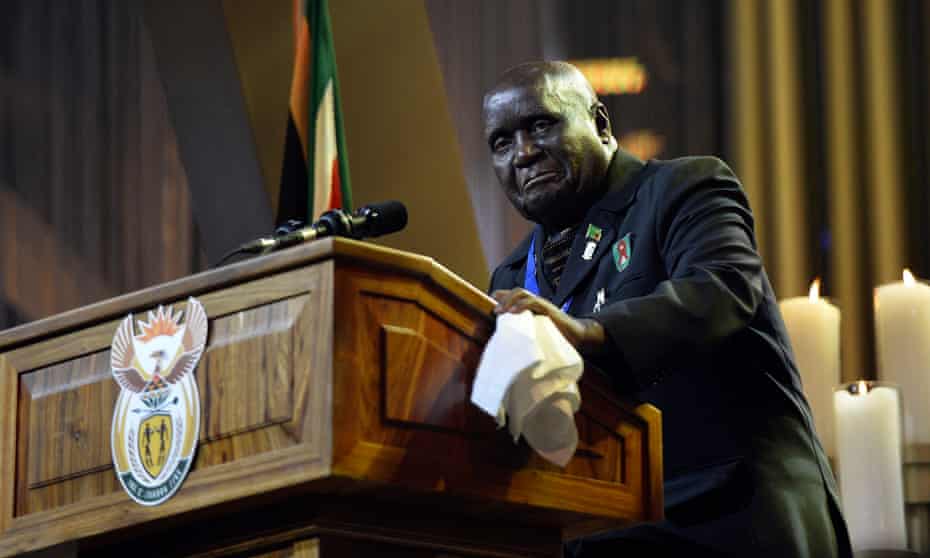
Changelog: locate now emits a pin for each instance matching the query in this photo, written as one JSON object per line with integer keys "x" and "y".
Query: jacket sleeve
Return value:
{"x": 493, "y": 286}
{"x": 715, "y": 277}
{"x": 509, "y": 274}
{"x": 502, "y": 278}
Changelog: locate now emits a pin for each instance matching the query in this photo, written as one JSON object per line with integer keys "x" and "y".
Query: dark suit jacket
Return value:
{"x": 696, "y": 331}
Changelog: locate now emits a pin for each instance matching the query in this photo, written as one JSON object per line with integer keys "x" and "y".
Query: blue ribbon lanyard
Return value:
{"x": 530, "y": 282}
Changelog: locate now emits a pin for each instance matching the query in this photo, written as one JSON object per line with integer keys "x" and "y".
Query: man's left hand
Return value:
{"x": 586, "y": 335}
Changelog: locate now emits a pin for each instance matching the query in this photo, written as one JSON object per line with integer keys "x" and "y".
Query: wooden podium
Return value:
{"x": 336, "y": 422}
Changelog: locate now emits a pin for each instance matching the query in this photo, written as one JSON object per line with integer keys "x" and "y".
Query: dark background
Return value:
{"x": 96, "y": 199}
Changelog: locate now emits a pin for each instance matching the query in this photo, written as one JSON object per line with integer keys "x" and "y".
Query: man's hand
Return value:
{"x": 587, "y": 336}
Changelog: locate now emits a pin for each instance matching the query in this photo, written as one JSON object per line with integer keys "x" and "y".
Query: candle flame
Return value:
{"x": 814, "y": 293}
{"x": 863, "y": 387}
{"x": 909, "y": 278}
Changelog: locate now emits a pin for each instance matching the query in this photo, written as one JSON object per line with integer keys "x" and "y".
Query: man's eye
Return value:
{"x": 500, "y": 145}
{"x": 540, "y": 126}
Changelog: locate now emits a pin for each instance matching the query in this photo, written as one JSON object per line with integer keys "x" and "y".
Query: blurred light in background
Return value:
{"x": 613, "y": 76}
{"x": 645, "y": 144}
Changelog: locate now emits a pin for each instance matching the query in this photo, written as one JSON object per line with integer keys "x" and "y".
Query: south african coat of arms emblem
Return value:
{"x": 156, "y": 422}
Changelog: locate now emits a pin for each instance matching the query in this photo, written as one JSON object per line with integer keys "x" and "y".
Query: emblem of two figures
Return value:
{"x": 155, "y": 460}
{"x": 156, "y": 421}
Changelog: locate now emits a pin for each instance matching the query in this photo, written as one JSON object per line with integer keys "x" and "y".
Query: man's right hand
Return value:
{"x": 586, "y": 335}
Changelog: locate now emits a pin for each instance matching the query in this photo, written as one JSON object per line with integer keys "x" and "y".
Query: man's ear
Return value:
{"x": 602, "y": 123}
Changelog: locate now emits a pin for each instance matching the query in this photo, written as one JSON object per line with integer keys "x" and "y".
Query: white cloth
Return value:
{"x": 528, "y": 379}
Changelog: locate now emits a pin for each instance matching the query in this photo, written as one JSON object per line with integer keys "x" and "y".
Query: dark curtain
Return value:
{"x": 93, "y": 198}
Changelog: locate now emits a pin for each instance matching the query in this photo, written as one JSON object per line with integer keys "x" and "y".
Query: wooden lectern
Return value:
{"x": 336, "y": 422}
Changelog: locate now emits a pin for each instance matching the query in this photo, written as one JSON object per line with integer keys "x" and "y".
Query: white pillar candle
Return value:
{"x": 814, "y": 328}
{"x": 902, "y": 333}
{"x": 868, "y": 446}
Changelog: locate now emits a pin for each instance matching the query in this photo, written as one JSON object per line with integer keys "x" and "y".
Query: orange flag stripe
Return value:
{"x": 300, "y": 78}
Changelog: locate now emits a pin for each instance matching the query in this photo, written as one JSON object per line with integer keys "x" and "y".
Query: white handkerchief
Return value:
{"x": 551, "y": 429}
{"x": 511, "y": 350}
{"x": 540, "y": 391}
{"x": 543, "y": 400}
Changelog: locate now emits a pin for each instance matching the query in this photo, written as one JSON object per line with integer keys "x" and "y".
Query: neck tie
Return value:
{"x": 555, "y": 254}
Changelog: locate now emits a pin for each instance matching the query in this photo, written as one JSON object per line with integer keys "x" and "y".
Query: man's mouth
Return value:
{"x": 545, "y": 176}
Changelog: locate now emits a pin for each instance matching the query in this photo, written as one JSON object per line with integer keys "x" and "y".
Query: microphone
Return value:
{"x": 289, "y": 226}
{"x": 367, "y": 222}
{"x": 378, "y": 219}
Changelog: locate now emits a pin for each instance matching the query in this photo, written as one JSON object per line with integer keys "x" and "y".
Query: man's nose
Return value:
{"x": 526, "y": 150}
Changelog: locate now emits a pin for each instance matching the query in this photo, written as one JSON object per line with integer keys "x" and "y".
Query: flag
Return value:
{"x": 315, "y": 175}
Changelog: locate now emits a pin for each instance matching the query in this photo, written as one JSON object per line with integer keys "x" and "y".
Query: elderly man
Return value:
{"x": 651, "y": 271}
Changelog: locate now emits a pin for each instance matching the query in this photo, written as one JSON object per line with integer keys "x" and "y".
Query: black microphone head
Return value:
{"x": 380, "y": 218}
{"x": 287, "y": 228}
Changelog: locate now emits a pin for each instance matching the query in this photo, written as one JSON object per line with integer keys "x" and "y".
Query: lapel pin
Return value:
{"x": 589, "y": 250}
{"x": 600, "y": 301}
{"x": 592, "y": 236}
{"x": 622, "y": 252}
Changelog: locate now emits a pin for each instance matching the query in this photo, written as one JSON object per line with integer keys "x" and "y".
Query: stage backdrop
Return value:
{"x": 94, "y": 201}
{"x": 142, "y": 139}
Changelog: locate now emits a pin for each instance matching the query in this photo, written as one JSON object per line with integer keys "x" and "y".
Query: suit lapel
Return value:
{"x": 577, "y": 268}
{"x": 624, "y": 175}
{"x": 539, "y": 239}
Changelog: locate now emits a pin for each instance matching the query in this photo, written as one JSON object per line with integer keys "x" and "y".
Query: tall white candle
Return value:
{"x": 902, "y": 333}
{"x": 814, "y": 328}
{"x": 868, "y": 445}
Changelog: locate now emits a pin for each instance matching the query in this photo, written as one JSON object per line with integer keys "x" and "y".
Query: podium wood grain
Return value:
{"x": 334, "y": 389}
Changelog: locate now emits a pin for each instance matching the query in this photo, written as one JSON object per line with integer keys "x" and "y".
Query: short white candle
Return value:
{"x": 814, "y": 328}
{"x": 902, "y": 334}
{"x": 868, "y": 445}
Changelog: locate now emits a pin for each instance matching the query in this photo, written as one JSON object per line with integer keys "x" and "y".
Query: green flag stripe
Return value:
{"x": 323, "y": 69}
